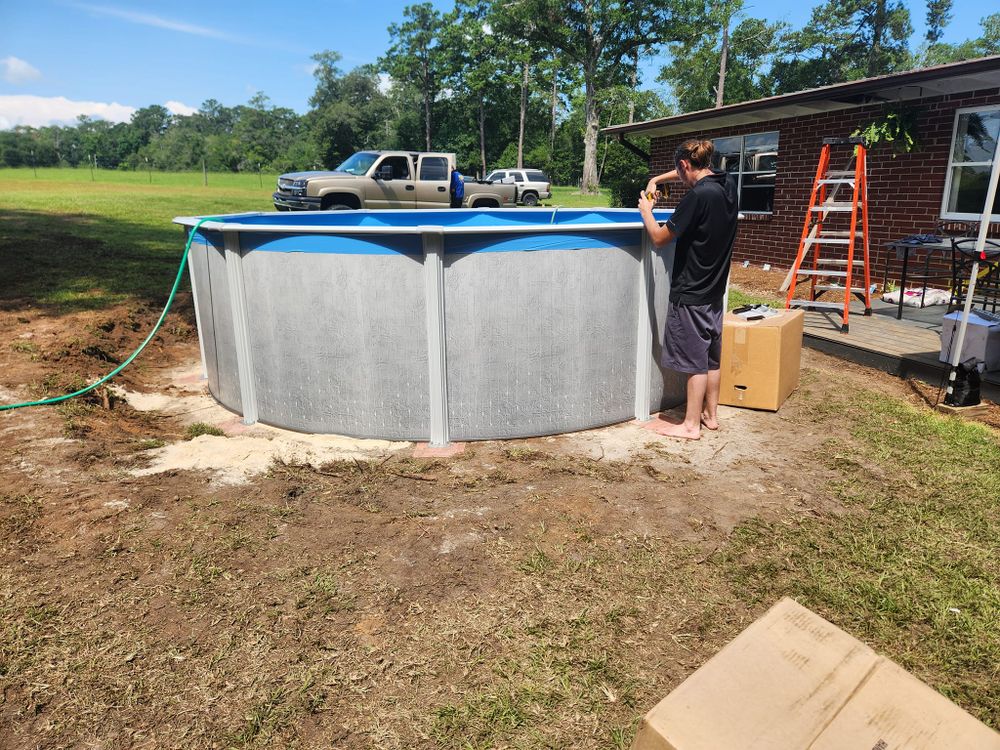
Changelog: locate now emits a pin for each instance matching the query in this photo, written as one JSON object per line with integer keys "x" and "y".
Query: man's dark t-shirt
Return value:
{"x": 705, "y": 224}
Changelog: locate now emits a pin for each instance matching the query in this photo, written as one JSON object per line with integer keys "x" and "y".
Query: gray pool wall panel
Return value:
{"x": 339, "y": 342}
{"x": 227, "y": 381}
{"x": 667, "y": 388}
{"x": 548, "y": 349}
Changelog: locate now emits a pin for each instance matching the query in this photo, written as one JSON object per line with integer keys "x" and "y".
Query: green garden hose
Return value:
{"x": 123, "y": 365}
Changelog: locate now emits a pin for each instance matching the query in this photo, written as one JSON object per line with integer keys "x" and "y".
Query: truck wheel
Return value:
{"x": 530, "y": 199}
{"x": 486, "y": 203}
{"x": 335, "y": 203}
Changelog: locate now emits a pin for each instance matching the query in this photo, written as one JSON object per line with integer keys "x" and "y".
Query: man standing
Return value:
{"x": 457, "y": 188}
{"x": 704, "y": 227}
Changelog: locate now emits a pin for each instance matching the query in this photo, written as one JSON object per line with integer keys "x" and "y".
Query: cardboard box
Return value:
{"x": 760, "y": 359}
{"x": 982, "y": 337}
{"x": 793, "y": 681}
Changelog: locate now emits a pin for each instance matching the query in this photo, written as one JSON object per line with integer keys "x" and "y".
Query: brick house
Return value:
{"x": 773, "y": 145}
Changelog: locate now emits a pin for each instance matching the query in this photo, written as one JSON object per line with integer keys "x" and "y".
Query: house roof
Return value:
{"x": 952, "y": 78}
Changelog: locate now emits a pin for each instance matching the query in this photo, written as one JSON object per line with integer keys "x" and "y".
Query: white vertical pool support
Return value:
{"x": 433, "y": 243}
{"x": 984, "y": 226}
{"x": 241, "y": 326}
{"x": 197, "y": 316}
{"x": 644, "y": 332}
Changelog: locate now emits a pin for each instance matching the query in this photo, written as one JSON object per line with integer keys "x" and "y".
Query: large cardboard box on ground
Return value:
{"x": 760, "y": 359}
{"x": 793, "y": 681}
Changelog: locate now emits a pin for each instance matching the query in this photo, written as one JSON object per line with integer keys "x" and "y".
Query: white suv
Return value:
{"x": 532, "y": 184}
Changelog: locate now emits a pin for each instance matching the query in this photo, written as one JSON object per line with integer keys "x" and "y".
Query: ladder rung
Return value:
{"x": 827, "y": 241}
{"x": 822, "y": 272}
{"x": 843, "y": 233}
{"x": 836, "y": 181}
{"x": 817, "y": 303}
{"x": 840, "y": 262}
{"x": 841, "y": 173}
{"x": 835, "y": 288}
{"x": 834, "y": 207}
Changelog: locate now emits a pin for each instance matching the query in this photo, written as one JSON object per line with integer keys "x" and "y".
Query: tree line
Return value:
{"x": 518, "y": 83}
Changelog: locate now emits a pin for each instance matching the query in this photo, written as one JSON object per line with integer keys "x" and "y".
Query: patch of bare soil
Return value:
{"x": 262, "y": 589}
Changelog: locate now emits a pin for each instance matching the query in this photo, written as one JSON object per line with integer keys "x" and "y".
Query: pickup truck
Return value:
{"x": 386, "y": 179}
{"x": 532, "y": 184}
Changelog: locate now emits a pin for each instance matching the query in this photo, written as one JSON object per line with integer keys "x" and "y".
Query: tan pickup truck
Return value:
{"x": 386, "y": 179}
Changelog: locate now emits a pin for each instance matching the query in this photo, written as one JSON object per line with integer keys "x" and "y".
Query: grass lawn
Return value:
{"x": 570, "y": 197}
{"x": 168, "y": 611}
{"x": 76, "y": 243}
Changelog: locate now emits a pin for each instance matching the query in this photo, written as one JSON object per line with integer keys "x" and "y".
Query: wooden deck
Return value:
{"x": 908, "y": 347}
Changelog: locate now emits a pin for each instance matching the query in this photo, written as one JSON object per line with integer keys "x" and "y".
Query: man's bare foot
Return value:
{"x": 679, "y": 431}
{"x": 710, "y": 423}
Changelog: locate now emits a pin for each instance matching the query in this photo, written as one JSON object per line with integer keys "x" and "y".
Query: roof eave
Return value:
{"x": 969, "y": 75}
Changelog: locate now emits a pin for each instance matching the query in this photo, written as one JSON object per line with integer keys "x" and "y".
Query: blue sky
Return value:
{"x": 60, "y": 58}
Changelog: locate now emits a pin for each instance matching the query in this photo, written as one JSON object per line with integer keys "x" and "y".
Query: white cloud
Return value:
{"x": 147, "y": 19}
{"x": 179, "y": 108}
{"x": 37, "y": 111}
{"x": 183, "y": 27}
{"x": 17, "y": 71}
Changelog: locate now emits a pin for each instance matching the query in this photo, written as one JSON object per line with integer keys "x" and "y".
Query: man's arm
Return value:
{"x": 654, "y": 181}
{"x": 660, "y": 235}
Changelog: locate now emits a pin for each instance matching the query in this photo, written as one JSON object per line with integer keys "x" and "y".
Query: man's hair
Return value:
{"x": 698, "y": 153}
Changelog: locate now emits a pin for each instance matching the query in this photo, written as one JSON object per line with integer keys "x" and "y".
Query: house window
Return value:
{"x": 973, "y": 143}
{"x": 753, "y": 160}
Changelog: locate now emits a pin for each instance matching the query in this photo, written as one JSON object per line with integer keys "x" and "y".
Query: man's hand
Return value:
{"x": 659, "y": 234}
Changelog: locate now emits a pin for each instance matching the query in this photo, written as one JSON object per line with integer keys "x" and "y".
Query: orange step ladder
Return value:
{"x": 823, "y": 233}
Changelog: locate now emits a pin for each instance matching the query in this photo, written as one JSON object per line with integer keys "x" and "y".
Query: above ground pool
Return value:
{"x": 433, "y": 325}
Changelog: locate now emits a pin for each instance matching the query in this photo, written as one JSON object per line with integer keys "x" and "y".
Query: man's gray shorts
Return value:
{"x": 693, "y": 339}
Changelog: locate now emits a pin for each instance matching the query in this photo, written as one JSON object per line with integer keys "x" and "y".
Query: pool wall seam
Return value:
{"x": 644, "y": 334}
{"x": 241, "y": 327}
{"x": 437, "y": 356}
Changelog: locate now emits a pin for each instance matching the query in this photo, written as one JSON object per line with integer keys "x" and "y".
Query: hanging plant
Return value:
{"x": 897, "y": 128}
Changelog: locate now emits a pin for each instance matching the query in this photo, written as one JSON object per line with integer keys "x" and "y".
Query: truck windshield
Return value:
{"x": 359, "y": 163}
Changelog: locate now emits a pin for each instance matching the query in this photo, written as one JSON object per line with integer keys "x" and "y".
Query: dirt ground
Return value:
{"x": 262, "y": 588}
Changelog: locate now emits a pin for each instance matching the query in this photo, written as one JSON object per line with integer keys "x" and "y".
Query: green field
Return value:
{"x": 75, "y": 243}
